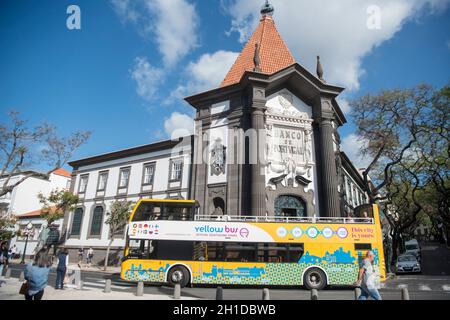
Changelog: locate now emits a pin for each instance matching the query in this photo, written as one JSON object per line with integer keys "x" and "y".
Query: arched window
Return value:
{"x": 219, "y": 206}
{"x": 97, "y": 221}
{"x": 290, "y": 206}
{"x": 75, "y": 230}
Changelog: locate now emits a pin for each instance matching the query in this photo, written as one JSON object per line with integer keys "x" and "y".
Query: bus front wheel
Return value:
{"x": 315, "y": 278}
{"x": 178, "y": 275}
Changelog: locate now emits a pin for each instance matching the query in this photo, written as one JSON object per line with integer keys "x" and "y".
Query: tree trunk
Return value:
{"x": 107, "y": 254}
{"x": 395, "y": 247}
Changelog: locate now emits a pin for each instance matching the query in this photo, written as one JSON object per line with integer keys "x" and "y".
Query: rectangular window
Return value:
{"x": 97, "y": 221}
{"x": 253, "y": 252}
{"x": 124, "y": 177}
{"x": 149, "y": 173}
{"x": 102, "y": 180}
{"x": 83, "y": 183}
{"x": 76, "y": 222}
{"x": 353, "y": 196}
{"x": 176, "y": 170}
{"x": 349, "y": 194}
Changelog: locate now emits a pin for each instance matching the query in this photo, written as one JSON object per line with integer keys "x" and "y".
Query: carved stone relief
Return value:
{"x": 218, "y": 158}
{"x": 288, "y": 141}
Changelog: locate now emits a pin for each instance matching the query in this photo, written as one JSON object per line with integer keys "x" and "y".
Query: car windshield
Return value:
{"x": 406, "y": 258}
{"x": 411, "y": 247}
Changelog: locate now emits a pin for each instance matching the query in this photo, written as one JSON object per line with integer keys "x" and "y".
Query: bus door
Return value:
{"x": 140, "y": 249}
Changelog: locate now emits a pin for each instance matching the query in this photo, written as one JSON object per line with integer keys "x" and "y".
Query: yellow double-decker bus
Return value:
{"x": 168, "y": 242}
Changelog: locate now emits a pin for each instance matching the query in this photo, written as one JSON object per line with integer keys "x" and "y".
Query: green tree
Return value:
{"x": 402, "y": 205}
{"x": 406, "y": 139}
{"x": 117, "y": 219}
{"x": 389, "y": 124}
{"x": 7, "y": 224}
{"x": 434, "y": 151}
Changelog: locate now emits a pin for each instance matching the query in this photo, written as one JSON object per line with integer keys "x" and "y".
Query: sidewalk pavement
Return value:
{"x": 9, "y": 290}
{"x": 95, "y": 268}
{"x": 74, "y": 266}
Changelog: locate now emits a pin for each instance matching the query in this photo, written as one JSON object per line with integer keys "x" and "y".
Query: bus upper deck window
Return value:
{"x": 177, "y": 211}
{"x": 147, "y": 211}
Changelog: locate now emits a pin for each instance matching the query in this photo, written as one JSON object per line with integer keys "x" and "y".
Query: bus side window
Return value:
{"x": 139, "y": 249}
{"x": 200, "y": 251}
{"x": 295, "y": 252}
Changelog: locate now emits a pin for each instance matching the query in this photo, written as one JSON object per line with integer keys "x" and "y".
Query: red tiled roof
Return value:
{"x": 62, "y": 172}
{"x": 274, "y": 54}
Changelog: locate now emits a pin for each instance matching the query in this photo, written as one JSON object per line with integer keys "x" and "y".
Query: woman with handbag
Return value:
{"x": 36, "y": 274}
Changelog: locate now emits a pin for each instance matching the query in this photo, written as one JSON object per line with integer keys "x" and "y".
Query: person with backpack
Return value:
{"x": 36, "y": 274}
{"x": 80, "y": 256}
{"x": 89, "y": 257}
{"x": 63, "y": 263}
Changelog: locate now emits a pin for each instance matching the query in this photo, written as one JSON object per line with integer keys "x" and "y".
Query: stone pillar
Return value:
{"x": 199, "y": 167}
{"x": 330, "y": 202}
{"x": 258, "y": 180}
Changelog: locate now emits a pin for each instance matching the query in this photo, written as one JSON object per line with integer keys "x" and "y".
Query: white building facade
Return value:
{"x": 158, "y": 170}
{"x": 23, "y": 203}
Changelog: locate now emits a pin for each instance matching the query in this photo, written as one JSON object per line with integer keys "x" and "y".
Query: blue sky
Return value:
{"x": 123, "y": 74}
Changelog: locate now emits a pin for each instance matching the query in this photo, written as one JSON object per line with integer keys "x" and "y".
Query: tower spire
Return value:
{"x": 265, "y": 51}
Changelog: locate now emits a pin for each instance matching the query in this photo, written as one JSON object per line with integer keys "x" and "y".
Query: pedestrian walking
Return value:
{"x": 80, "y": 256}
{"x": 63, "y": 264}
{"x": 89, "y": 257}
{"x": 368, "y": 279}
{"x": 36, "y": 274}
{"x": 3, "y": 257}
{"x": 13, "y": 252}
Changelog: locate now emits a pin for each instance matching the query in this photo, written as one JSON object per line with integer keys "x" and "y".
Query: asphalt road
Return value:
{"x": 432, "y": 284}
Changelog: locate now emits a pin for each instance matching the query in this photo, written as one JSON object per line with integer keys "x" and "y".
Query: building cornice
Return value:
{"x": 158, "y": 146}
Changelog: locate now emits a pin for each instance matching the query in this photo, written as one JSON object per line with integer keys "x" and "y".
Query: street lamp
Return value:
{"x": 28, "y": 229}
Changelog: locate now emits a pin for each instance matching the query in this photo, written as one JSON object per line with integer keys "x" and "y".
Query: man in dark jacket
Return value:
{"x": 3, "y": 257}
{"x": 63, "y": 263}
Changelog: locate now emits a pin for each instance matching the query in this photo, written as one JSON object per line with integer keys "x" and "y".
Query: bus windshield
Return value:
{"x": 147, "y": 211}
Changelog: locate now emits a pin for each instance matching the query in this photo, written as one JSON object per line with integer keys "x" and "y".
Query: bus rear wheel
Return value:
{"x": 178, "y": 275}
{"x": 314, "y": 278}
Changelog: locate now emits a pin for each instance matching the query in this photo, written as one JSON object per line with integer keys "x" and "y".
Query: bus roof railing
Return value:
{"x": 343, "y": 220}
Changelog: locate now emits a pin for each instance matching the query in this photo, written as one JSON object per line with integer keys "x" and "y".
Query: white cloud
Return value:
{"x": 178, "y": 125}
{"x": 344, "y": 104}
{"x": 205, "y": 74}
{"x": 125, "y": 10}
{"x": 351, "y": 146}
{"x": 335, "y": 30}
{"x": 172, "y": 23}
{"x": 147, "y": 78}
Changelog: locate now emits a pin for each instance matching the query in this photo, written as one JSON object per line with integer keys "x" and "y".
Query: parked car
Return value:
{"x": 407, "y": 263}
{"x": 412, "y": 247}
